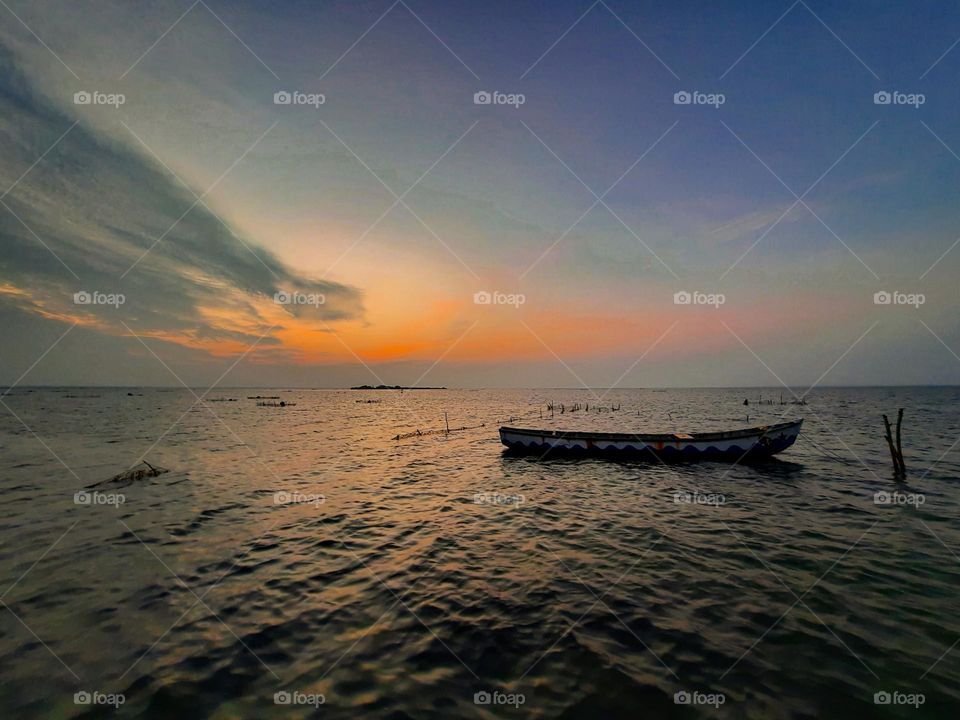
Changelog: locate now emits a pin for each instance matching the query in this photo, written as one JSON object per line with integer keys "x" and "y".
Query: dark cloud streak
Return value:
{"x": 98, "y": 204}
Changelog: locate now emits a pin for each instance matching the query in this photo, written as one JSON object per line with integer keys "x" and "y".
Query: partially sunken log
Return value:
{"x": 137, "y": 472}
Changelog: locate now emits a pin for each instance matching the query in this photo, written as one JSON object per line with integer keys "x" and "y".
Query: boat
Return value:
{"x": 735, "y": 445}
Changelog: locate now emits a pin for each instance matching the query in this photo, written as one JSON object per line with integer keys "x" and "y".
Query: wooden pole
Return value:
{"x": 893, "y": 452}
{"x": 903, "y": 468}
{"x": 446, "y": 422}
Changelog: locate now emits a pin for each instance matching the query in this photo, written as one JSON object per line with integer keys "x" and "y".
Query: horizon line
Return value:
{"x": 435, "y": 388}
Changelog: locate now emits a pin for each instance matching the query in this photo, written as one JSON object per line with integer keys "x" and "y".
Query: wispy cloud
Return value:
{"x": 84, "y": 215}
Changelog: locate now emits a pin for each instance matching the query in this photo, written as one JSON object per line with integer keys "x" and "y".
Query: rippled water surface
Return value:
{"x": 387, "y": 588}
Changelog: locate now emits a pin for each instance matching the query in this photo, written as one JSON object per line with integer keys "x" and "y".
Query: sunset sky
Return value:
{"x": 399, "y": 197}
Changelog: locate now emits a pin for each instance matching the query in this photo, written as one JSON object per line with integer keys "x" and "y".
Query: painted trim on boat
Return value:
{"x": 756, "y": 441}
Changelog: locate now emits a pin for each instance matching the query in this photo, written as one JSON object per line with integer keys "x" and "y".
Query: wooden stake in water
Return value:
{"x": 446, "y": 422}
{"x": 903, "y": 468}
{"x": 896, "y": 453}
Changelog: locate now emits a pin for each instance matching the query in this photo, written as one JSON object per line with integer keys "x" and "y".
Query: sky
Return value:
{"x": 777, "y": 165}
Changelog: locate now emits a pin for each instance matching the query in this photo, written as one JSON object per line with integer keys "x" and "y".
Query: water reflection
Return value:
{"x": 440, "y": 566}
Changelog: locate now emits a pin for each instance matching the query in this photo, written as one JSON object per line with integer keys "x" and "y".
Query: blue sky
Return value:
{"x": 492, "y": 197}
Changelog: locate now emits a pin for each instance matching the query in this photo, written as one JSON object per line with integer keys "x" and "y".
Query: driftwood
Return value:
{"x": 128, "y": 477}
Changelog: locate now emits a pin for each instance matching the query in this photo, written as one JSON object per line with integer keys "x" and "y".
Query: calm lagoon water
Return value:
{"x": 302, "y": 550}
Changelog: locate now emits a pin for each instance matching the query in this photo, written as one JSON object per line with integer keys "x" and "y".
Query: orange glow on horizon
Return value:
{"x": 454, "y": 330}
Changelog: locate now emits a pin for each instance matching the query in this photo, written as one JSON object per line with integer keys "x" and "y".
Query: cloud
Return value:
{"x": 96, "y": 215}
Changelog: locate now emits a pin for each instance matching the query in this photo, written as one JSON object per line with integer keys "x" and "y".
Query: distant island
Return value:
{"x": 393, "y": 387}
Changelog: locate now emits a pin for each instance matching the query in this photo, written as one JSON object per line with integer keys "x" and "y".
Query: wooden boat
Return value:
{"x": 735, "y": 445}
